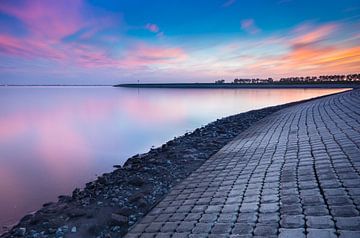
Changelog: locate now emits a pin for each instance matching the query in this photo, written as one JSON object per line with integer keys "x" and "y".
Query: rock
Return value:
{"x": 20, "y": 232}
{"x": 26, "y": 218}
{"x": 59, "y": 233}
{"x": 119, "y": 219}
{"x": 116, "y": 229}
{"x": 136, "y": 196}
{"x": 73, "y": 229}
{"x": 74, "y": 213}
{"x": 142, "y": 203}
{"x": 125, "y": 211}
{"x": 47, "y": 204}
{"x": 136, "y": 181}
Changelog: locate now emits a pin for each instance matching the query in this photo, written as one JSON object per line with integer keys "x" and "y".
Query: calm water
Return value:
{"x": 55, "y": 139}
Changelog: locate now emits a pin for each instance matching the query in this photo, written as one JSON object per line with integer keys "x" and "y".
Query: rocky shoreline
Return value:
{"x": 110, "y": 205}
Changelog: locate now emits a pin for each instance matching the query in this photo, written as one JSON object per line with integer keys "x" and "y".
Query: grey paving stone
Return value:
{"x": 265, "y": 230}
{"x": 202, "y": 228}
{"x": 269, "y": 207}
{"x": 185, "y": 226}
{"x": 319, "y": 222}
{"x": 292, "y": 233}
{"x": 349, "y": 234}
{"x": 316, "y": 210}
{"x": 209, "y": 218}
{"x": 169, "y": 226}
{"x": 242, "y": 229}
{"x": 292, "y": 221}
{"x": 321, "y": 233}
{"x": 154, "y": 227}
{"x": 348, "y": 223}
{"x": 221, "y": 228}
{"x": 227, "y": 218}
{"x": 344, "y": 211}
{"x": 247, "y": 217}
{"x": 249, "y": 207}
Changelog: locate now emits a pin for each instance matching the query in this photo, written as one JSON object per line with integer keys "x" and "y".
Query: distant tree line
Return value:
{"x": 257, "y": 80}
{"x": 307, "y": 79}
{"x": 324, "y": 78}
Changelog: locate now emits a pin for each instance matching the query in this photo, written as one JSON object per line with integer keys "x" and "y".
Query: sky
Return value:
{"x": 126, "y": 41}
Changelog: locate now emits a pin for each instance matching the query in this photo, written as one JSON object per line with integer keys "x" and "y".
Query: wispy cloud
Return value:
{"x": 249, "y": 26}
{"x": 228, "y": 3}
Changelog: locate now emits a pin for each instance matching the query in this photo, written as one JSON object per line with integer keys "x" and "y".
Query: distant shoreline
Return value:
{"x": 233, "y": 85}
{"x": 55, "y": 85}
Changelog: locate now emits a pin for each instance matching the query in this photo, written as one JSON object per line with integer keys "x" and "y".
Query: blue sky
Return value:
{"x": 106, "y": 42}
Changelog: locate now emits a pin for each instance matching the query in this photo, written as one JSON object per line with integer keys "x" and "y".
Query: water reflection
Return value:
{"x": 55, "y": 139}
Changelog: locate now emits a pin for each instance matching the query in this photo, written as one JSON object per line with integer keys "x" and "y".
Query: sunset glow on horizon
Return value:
{"x": 109, "y": 42}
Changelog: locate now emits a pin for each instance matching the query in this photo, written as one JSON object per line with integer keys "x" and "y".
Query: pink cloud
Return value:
{"x": 249, "y": 26}
{"x": 49, "y": 19}
{"x": 48, "y": 23}
{"x": 305, "y": 35}
{"x": 152, "y": 27}
{"x": 144, "y": 55}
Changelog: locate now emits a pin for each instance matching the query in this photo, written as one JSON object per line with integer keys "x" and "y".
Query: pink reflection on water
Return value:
{"x": 55, "y": 139}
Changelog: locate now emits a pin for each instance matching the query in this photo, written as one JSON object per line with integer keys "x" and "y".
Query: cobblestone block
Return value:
{"x": 319, "y": 222}
{"x": 292, "y": 221}
{"x": 221, "y": 228}
{"x": 292, "y": 233}
{"x": 348, "y": 223}
{"x": 321, "y": 233}
{"x": 242, "y": 229}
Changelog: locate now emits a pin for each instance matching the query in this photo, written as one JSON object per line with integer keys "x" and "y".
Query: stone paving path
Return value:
{"x": 294, "y": 174}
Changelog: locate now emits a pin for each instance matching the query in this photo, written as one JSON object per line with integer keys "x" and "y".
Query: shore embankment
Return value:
{"x": 108, "y": 206}
{"x": 277, "y": 85}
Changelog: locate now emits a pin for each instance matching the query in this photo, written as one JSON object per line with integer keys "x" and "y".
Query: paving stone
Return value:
{"x": 292, "y": 221}
{"x": 316, "y": 210}
{"x": 269, "y": 207}
{"x": 169, "y": 226}
{"x": 344, "y": 211}
{"x": 265, "y": 230}
{"x": 185, "y": 226}
{"x": 348, "y": 223}
{"x": 227, "y": 218}
{"x": 202, "y": 228}
{"x": 242, "y": 229}
{"x": 221, "y": 228}
{"x": 269, "y": 217}
{"x": 247, "y": 217}
{"x": 249, "y": 207}
{"x": 319, "y": 222}
{"x": 292, "y": 233}
{"x": 321, "y": 233}
{"x": 294, "y": 209}
{"x": 208, "y": 218}
{"x": 349, "y": 234}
